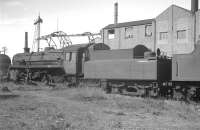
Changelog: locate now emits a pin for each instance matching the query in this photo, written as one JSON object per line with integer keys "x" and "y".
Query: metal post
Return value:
{"x": 37, "y": 23}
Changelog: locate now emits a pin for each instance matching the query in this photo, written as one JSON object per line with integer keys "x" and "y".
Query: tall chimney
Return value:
{"x": 116, "y": 13}
{"x": 26, "y": 49}
{"x": 194, "y": 6}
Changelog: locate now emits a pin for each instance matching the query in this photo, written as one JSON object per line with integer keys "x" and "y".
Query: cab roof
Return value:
{"x": 75, "y": 47}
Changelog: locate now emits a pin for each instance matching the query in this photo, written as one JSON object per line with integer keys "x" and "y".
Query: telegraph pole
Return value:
{"x": 4, "y": 49}
{"x": 37, "y": 24}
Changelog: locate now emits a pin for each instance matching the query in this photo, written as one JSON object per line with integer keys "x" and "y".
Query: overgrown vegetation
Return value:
{"x": 90, "y": 108}
{"x": 27, "y": 113}
{"x": 88, "y": 94}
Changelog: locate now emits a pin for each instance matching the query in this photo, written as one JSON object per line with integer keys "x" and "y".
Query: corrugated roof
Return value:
{"x": 126, "y": 24}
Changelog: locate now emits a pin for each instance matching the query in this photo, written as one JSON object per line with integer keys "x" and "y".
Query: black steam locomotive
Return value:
{"x": 137, "y": 70}
{"x": 53, "y": 65}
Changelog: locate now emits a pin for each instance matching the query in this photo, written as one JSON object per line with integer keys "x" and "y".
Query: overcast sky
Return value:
{"x": 73, "y": 16}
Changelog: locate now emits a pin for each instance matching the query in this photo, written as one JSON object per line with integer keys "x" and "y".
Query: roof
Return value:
{"x": 172, "y": 6}
{"x": 182, "y": 8}
{"x": 75, "y": 47}
{"x": 127, "y": 24}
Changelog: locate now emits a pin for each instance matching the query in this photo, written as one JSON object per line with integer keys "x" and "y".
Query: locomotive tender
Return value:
{"x": 126, "y": 60}
{"x": 134, "y": 70}
{"x": 175, "y": 32}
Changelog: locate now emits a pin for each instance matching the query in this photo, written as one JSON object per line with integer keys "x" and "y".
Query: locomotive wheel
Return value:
{"x": 72, "y": 81}
{"x": 58, "y": 79}
{"x": 193, "y": 93}
{"x": 180, "y": 93}
{"x": 48, "y": 80}
{"x": 14, "y": 75}
{"x": 105, "y": 86}
{"x": 44, "y": 80}
{"x": 153, "y": 92}
{"x": 108, "y": 89}
{"x": 121, "y": 90}
{"x": 197, "y": 94}
{"x": 177, "y": 95}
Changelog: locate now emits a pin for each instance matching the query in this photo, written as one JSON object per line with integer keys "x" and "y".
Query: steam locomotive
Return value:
{"x": 52, "y": 65}
{"x": 137, "y": 70}
{"x": 140, "y": 70}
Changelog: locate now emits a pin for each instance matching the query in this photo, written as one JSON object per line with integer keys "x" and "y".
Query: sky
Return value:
{"x": 70, "y": 16}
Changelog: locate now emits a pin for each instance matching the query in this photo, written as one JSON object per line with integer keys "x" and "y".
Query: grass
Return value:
{"x": 90, "y": 108}
{"x": 90, "y": 94}
{"x": 85, "y": 94}
{"x": 26, "y": 112}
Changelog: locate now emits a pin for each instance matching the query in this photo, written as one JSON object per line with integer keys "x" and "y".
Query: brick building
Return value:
{"x": 174, "y": 31}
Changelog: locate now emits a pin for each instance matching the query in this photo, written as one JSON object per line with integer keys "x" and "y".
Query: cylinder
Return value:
{"x": 194, "y": 6}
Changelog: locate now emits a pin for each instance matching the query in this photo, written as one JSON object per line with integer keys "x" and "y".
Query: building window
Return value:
{"x": 128, "y": 32}
{"x": 111, "y": 34}
{"x": 148, "y": 30}
{"x": 163, "y": 35}
{"x": 181, "y": 34}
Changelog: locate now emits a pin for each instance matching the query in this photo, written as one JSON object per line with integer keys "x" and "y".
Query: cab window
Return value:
{"x": 70, "y": 56}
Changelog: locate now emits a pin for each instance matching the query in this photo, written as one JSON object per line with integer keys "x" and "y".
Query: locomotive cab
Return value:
{"x": 76, "y": 56}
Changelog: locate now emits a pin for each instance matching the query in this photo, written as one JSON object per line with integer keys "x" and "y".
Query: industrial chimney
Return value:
{"x": 116, "y": 13}
{"x": 26, "y": 49}
{"x": 194, "y": 6}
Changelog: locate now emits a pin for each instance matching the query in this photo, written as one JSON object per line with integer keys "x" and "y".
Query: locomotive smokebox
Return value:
{"x": 116, "y": 13}
{"x": 26, "y": 49}
{"x": 194, "y": 6}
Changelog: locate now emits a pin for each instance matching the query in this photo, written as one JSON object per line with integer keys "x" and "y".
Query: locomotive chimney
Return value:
{"x": 116, "y": 13}
{"x": 194, "y": 6}
{"x": 26, "y": 49}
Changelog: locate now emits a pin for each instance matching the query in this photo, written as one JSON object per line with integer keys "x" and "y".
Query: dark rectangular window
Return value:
{"x": 111, "y": 34}
{"x": 148, "y": 30}
{"x": 181, "y": 34}
{"x": 129, "y": 32}
{"x": 163, "y": 35}
{"x": 68, "y": 56}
